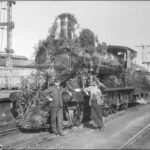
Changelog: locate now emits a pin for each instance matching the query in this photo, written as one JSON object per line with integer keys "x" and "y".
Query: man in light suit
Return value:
{"x": 96, "y": 102}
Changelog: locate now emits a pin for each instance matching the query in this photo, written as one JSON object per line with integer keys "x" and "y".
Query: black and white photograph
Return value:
{"x": 74, "y": 74}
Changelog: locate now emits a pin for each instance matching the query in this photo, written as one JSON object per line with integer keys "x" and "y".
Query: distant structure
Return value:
{"x": 22, "y": 67}
{"x": 145, "y": 61}
{"x": 8, "y": 50}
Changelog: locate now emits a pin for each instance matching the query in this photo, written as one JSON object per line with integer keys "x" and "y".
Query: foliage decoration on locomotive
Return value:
{"x": 75, "y": 58}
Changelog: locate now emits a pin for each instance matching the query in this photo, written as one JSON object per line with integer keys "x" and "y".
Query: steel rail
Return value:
{"x": 29, "y": 142}
{"x": 134, "y": 137}
{"x": 8, "y": 131}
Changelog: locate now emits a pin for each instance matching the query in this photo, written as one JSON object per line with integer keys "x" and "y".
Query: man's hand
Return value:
{"x": 49, "y": 98}
{"x": 77, "y": 90}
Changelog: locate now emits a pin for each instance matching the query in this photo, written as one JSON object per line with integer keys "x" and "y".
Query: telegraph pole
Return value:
{"x": 8, "y": 49}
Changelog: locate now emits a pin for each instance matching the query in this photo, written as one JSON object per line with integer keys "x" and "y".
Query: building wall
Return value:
{"x": 17, "y": 74}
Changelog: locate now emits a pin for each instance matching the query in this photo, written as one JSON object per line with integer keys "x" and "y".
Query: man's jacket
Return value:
{"x": 94, "y": 91}
{"x": 55, "y": 95}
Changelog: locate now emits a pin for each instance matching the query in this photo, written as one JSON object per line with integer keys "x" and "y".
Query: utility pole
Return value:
{"x": 9, "y": 51}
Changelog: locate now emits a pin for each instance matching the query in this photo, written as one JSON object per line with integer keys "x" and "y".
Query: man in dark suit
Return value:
{"x": 54, "y": 95}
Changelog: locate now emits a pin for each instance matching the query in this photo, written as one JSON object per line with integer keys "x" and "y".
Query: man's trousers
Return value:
{"x": 96, "y": 113}
{"x": 56, "y": 115}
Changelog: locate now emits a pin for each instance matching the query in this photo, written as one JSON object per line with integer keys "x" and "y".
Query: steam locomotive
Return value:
{"x": 75, "y": 62}
{"x": 115, "y": 98}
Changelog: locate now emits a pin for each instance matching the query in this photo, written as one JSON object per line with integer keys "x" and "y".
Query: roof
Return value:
{"x": 14, "y": 57}
{"x": 118, "y": 48}
{"x": 17, "y": 61}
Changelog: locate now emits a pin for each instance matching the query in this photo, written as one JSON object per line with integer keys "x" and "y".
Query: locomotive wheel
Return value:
{"x": 122, "y": 107}
{"x": 77, "y": 116}
{"x": 125, "y": 106}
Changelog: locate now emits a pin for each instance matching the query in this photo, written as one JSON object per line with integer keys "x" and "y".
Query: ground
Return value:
{"x": 142, "y": 142}
{"x": 114, "y": 135}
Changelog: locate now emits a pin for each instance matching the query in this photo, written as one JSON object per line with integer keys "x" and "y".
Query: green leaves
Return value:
{"x": 87, "y": 39}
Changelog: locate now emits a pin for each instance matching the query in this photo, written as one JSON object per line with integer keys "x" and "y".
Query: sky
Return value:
{"x": 125, "y": 23}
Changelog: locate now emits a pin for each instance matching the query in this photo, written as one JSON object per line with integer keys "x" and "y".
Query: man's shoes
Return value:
{"x": 61, "y": 133}
{"x": 99, "y": 129}
{"x": 55, "y": 132}
{"x": 103, "y": 128}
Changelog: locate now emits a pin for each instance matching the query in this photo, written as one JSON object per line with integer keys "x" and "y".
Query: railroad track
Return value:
{"x": 27, "y": 144}
{"x": 35, "y": 141}
{"x": 38, "y": 139}
{"x": 133, "y": 138}
{"x": 8, "y": 131}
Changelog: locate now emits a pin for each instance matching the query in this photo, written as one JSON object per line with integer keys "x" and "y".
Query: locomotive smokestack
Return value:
{"x": 67, "y": 25}
{"x": 64, "y": 27}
